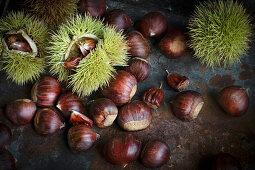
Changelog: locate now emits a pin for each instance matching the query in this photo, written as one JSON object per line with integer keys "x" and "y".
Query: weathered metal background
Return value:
{"x": 213, "y": 131}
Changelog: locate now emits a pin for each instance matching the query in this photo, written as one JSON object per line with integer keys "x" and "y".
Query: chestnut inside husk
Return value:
{"x": 5, "y": 135}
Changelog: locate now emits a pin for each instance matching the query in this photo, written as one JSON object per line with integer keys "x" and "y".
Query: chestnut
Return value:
{"x": 5, "y": 135}
{"x": 174, "y": 44}
{"x": 187, "y": 104}
{"x": 177, "y": 81}
{"x": 20, "y": 46}
{"x": 138, "y": 45}
{"x": 153, "y": 25}
{"x": 68, "y": 102}
{"x": 134, "y": 116}
{"x": 81, "y": 138}
{"x": 119, "y": 19}
{"x": 155, "y": 154}
{"x": 21, "y": 111}
{"x": 77, "y": 118}
{"x": 72, "y": 62}
{"x": 47, "y": 121}
{"x": 234, "y": 100}
{"x": 7, "y": 161}
{"x": 122, "y": 150}
{"x": 154, "y": 97}
{"x": 96, "y": 8}
{"x": 103, "y": 112}
{"x": 139, "y": 67}
{"x": 45, "y": 91}
{"x": 121, "y": 88}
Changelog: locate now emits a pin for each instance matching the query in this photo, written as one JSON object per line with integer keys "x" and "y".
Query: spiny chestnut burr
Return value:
{"x": 177, "y": 81}
{"x": 77, "y": 118}
{"x": 119, "y": 19}
{"x": 46, "y": 91}
{"x": 139, "y": 67}
{"x": 134, "y": 116}
{"x": 7, "y": 161}
{"x": 5, "y": 135}
{"x": 21, "y": 111}
{"x": 154, "y": 97}
{"x": 47, "y": 121}
{"x": 153, "y": 25}
{"x": 122, "y": 150}
{"x": 121, "y": 88}
{"x": 96, "y": 8}
{"x": 234, "y": 100}
{"x": 173, "y": 45}
{"x": 155, "y": 154}
{"x": 103, "y": 112}
{"x": 187, "y": 104}
{"x": 72, "y": 62}
{"x": 138, "y": 45}
{"x": 68, "y": 102}
{"x": 81, "y": 138}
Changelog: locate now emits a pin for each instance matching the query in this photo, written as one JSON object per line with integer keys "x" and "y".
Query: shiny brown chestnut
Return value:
{"x": 11, "y": 39}
{"x": 68, "y": 102}
{"x": 81, "y": 138}
{"x": 138, "y": 45}
{"x": 121, "y": 88}
{"x": 20, "y": 46}
{"x": 139, "y": 67}
{"x": 119, "y": 19}
{"x": 96, "y": 8}
{"x": 77, "y": 118}
{"x": 46, "y": 91}
{"x": 155, "y": 154}
{"x": 47, "y": 122}
{"x": 234, "y": 100}
{"x": 134, "y": 116}
{"x": 7, "y": 161}
{"x": 104, "y": 112}
{"x": 187, "y": 104}
{"x": 219, "y": 162}
{"x": 122, "y": 150}
{"x": 177, "y": 81}
{"x": 5, "y": 135}
{"x": 21, "y": 111}
{"x": 174, "y": 44}
{"x": 153, "y": 25}
{"x": 72, "y": 62}
{"x": 154, "y": 97}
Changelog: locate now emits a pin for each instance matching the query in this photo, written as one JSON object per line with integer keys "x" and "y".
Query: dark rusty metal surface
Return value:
{"x": 212, "y": 132}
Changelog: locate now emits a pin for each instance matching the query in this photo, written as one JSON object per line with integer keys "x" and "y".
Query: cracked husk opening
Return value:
{"x": 22, "y": 33}
{"x": 73, "y": 49}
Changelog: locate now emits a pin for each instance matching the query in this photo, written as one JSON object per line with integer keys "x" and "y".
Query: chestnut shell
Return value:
{"x": 153, "y": 24}
{"x": 5, "y": 135}
{"x": 68, "y": 102}
{"x": 153, "y": 97}
{"x": 122, "y": 150}
{"x": 155, "y": 154}
{"x": 121, "y": 88}
{"x": 46, "y": 91}
{"x": 96, "y": 8}
{"x": 138, "y": 45}
{"x": 187, "y": 104}
{"x": 173, "y": 45}
{"x": 47, "y": 121}
{"x": 20, "y": 111}
{"x": 81, "y": 138}
{"x": 234, "y": 100}
{"x": 134, "y": 116}
{"x": 119, "y": 19}
{"x": 7, "y": 161}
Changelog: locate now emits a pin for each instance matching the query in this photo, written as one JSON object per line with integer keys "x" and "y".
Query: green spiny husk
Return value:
{"x": 22, "y": 68}
{"x": 53, "y": 12}
{"x": 220, "y": 32}
{"x": 96, "y": 69}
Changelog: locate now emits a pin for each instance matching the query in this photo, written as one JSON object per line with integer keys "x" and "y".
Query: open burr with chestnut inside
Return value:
{"x": 187, "y": 104}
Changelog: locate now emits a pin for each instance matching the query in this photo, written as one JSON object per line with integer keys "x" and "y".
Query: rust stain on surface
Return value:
{"x": 202, "y": 68}
{"x": 198, "y": 84}
{"x": 246, "y": 74}
{"x": 152, "y": 57}
{"x": 222, "y": 81}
